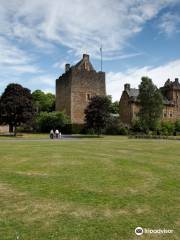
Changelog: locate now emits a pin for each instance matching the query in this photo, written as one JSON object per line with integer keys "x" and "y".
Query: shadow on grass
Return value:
{"x": 83, "y": 136}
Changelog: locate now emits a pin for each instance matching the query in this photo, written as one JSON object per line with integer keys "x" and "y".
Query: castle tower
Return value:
{"x": 75, "y": 88}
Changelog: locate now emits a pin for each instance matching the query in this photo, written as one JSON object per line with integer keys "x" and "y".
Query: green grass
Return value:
{"x": 25, "y": 136}
{"x": 89, "y": 189}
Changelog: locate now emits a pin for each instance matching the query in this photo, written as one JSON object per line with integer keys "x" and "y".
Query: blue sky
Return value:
{"x": 139, "y": 38}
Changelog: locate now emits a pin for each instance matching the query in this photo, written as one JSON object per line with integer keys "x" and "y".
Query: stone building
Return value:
{"x": 75, "y": 88}
{"x": 129, "y": 103}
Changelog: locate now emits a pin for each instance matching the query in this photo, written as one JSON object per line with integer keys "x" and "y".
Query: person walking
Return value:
{"x": 51, "y": 134}
{"x": 57, "y": 133}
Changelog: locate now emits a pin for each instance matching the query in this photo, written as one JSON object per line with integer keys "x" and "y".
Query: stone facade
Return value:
{"x": 75, "y": 88}
{"x": 130, "y": 106}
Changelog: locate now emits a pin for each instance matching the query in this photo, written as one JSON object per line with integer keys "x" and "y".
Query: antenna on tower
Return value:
{"x": 101, "y": 58}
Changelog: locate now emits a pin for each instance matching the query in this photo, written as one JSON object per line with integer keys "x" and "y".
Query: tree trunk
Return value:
{"x": 15, "y": 131}
{"x": 10, "y": 128}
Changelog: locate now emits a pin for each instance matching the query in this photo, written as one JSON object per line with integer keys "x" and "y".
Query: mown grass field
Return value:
{"x": 89, "y": 189}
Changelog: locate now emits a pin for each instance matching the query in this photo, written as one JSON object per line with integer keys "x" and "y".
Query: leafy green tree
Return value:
{"x": 97, "y": 113}
{"x": 115, "y": 107}
{"x": 43, "y": 102}
{"x": 151, "y": 103}
{"x": 16, "y": 106}
{"x": 45, "y": 121}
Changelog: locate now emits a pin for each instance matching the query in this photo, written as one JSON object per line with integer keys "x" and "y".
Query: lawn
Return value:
{"x": 89, "y": 189}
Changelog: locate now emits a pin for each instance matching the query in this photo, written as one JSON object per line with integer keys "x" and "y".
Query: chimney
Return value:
{"x": 86, "y": 57}
{"x": 67, "y": 67}
{"x": 127, "y": 87}
{"x": 176, "y": 80}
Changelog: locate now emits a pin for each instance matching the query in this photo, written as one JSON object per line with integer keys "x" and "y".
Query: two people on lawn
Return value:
{"x": 55, "y": 134}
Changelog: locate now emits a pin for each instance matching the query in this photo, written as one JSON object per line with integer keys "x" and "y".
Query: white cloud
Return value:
{"x": 78, "y": 24}
{"x": 169, "y": 23}
{"x": 14, "y": 59}
{"x": 115, "y": 81}
{"x": 60, "y": 65}
{"x": 44, "y": 82}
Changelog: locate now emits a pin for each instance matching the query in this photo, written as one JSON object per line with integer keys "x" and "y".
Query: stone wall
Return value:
{"x": 63, "y": 93}
{"x": 125, "y": 109}
{"x": 85, "y": 84}
{"x": 74, "y": 90}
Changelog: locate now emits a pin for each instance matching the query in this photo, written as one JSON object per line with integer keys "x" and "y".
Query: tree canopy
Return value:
{"x": 97, "y": 113}
{"x": 16, "y": 106}
{"x": 44, "y": 102}
{"x": 151, "y": 104}
{"x": 53, "y": 120}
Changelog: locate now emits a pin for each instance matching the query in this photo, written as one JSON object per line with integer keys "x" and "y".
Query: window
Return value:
{"x": 86, "y": 66}
{"x": 88, "y": 96}
{"x": 165, "y": 114}
{"x": 170, "y": 114}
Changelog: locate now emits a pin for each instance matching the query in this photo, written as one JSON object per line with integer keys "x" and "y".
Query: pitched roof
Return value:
{"x": 133, "y": 94}
{"x": 84, "y": 64}
{"x": 171, "y": 84}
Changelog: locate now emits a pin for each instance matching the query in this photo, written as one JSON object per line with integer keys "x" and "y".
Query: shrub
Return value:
{"x": 73, "y": 128}
{"x": 167, "y": 128}
{"x": 136, "y": 126}
{"x": 45, "y": 121}
{"x": 25, "y": 128}
{"x": 116, "y": 127}
{"x": 177, "y": 126}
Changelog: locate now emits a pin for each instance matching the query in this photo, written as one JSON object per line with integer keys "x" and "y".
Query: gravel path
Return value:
{"x": 63, "y": 138}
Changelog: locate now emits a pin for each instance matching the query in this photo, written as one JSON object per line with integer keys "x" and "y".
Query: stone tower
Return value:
{"x": 75, "y": 88}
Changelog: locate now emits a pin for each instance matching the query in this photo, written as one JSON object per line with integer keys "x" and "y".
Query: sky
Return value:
{"x": 138, "y": 38}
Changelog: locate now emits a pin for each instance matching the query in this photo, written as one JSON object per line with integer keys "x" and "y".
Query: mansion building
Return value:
{"x": 130, "y": 105}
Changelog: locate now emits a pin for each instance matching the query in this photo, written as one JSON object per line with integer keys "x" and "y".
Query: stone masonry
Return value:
{"x": 76, "y": 87}
{"x": 130, "y": 106}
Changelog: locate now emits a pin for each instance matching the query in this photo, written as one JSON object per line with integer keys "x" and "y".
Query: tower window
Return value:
{"x": 86, "y": 66}
{"x": 88, "y": 96}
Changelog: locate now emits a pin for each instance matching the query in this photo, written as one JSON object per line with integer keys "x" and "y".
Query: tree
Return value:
{"x": 16, "y": 106}
{"x": 97, "y": 113}
{"x": 45, "y": 121}
{"x": 151, "y": 103}
{"x": 115, "y": 107}
{"x": 43, "y": 102}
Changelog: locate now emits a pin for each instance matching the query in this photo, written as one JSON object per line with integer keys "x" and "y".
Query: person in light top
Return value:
{"x": 52, "y": 134}
{"x": 57, "y": 133}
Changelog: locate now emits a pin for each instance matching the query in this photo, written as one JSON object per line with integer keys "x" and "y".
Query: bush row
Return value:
{"x": 45, "y": 121}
